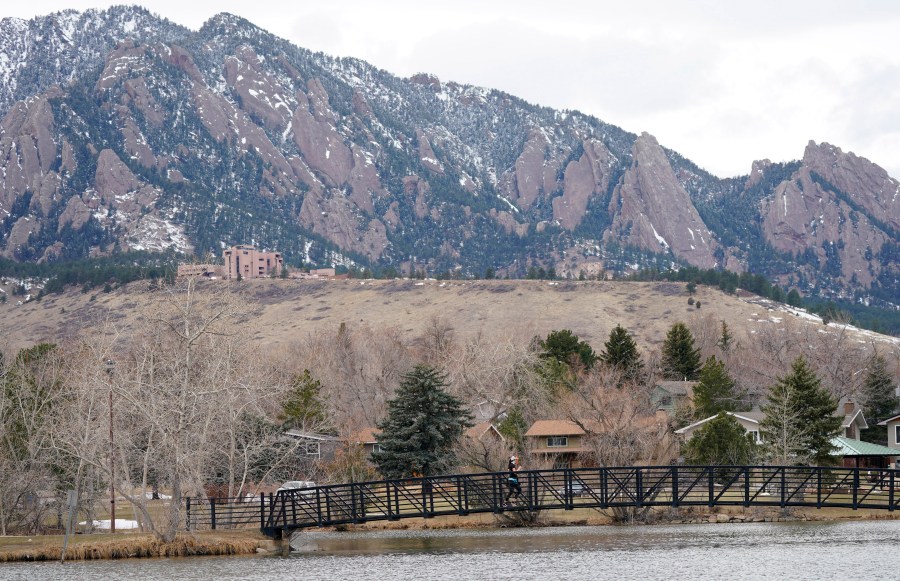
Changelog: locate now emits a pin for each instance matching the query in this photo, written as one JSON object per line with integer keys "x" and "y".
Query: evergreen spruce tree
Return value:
{"x": 565, "y": 347}
{"x": 302, "y": 408}
{"x": 680, "y": 359}
{"x": 800, "y": 418}
{"x": 717, "y": 391}
{"x": 721, "y": 441}
{"x": 422, "y": 428}
{"x": 879, "y": 400}
{"x": 620, "y": 353}
{"x": 726, "y": 339}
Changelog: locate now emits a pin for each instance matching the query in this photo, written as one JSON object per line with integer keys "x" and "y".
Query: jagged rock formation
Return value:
{"x": 122, "y": 131}
{"x": 839, "y": 209}
{"x": 651, "y": 209}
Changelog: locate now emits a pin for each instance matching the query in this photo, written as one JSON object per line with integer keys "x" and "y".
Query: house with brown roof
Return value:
{"x": 484, "y": 431}
{"x": 575, "y": 444}
{"x": 367, "y": 438}
{"x": 559, "y": 441}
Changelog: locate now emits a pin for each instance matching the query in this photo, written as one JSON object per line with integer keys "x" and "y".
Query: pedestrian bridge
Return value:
{"x": 598, "y": 488}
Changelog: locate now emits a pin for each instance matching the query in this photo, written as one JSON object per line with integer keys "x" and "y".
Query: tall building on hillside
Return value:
{"x": 248, "y": 262}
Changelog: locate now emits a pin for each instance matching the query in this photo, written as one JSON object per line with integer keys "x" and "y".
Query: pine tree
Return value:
{"x": 422, "y": 428}
{"x": 620, "y": 353}
{"x": 800, "y": 418}
{"x": 717, "y": 391}
{"x": 878, "y": 398}
{"x": 726, "y": 339}
{"x": 566, "y": 347}
{"x": 680, "y": 359}
{"x": 302, "y": 408}
{"x": 721, "y": 441}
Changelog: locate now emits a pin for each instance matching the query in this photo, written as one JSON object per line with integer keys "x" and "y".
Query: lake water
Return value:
{"x": 843, "y": 550}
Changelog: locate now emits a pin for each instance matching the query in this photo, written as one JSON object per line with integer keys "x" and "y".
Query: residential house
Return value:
{"x": 749, "y": 420}
{"x": 858, "y": 454}
{"x": 853, "y": 453}
{"x": 367, "y": 438}
{"x": 892, "y": 425}
{"x": 565, "y": 443}
{"x": 668, "y": 395}
{"x": 315, "y": 446}
{"x": 853, "y": 421}
{"x": 559, "y": 441}
{"x": 485, "y": 432}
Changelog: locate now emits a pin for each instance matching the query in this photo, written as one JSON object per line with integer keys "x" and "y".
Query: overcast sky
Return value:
{"x": 723, "y": 83}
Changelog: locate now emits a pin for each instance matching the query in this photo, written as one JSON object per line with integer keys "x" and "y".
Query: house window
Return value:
{"x": 754, "y": 434}
{"x": 312, "y": 449}
{"x": 897, "y": 434}
{"x": 557, "y": 441}
{"x": 376, "y": 447}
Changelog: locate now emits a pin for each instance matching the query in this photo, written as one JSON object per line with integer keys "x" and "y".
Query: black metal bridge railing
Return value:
{"x": 600, "y": 488}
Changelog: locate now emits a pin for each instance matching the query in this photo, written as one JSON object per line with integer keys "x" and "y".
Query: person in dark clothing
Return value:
{"x": 512, "y": 481}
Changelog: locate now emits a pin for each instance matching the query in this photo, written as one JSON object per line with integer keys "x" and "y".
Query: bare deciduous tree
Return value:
{"x": 184, "y": 381}
{"x": 622, "y": 426}
{"x": 29, "y": 398}
{"x": 359, "y": 369}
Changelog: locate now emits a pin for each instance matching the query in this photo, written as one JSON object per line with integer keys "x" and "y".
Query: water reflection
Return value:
{"x": 863, "y": 550}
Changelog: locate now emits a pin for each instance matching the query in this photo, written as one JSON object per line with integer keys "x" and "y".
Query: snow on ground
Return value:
{"x": 775, "y": 307}
{"x": 121, "y": 524}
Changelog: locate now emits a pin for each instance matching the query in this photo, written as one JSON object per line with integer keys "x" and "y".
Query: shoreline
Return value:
{"x": 251, "y": 542}
{"x": 133, "y": 545}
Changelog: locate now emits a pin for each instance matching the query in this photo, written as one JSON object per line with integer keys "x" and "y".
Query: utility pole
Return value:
{"x": 110, "y": 365}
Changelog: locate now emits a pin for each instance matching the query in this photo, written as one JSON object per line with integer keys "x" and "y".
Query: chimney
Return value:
{"x": 849, "y": 406}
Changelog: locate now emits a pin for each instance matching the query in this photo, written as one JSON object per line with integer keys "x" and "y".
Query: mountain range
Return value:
{"x": 124, "y": 131}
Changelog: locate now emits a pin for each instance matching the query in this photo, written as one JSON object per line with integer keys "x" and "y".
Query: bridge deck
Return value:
{"x": 600, "y": 488}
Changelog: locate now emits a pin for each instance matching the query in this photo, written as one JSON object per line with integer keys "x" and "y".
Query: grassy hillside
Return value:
{"x": 287, "y": 310}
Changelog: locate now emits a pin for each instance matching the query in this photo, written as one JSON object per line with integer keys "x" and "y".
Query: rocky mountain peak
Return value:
{"x": 757, "y": 171}
{"x": 651, "y": 209}
{"x": 865, "y": 183}
{"x": 119, "y": 129}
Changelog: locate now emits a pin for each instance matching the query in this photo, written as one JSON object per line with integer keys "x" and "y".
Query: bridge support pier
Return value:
{"x": 284, "y": 545}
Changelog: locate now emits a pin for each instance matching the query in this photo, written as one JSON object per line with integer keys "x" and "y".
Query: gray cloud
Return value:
{"x": 722, "y": 82}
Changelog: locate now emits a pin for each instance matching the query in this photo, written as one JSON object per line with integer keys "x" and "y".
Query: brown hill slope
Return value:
{"x": 288, "y": 310}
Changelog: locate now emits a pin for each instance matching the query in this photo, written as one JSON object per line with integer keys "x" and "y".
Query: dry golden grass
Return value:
{"x": 129, "y": 545}
{"x": 290, "y": 309}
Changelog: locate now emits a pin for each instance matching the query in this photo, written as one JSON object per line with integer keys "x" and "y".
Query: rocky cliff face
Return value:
{"x": 128, "y": 132}
{"x": 836, "y": 209}
{"x": 651, "y": 209}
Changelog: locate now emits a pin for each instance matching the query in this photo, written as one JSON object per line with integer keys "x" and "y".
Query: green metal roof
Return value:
{"x": 851, "y": 447}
